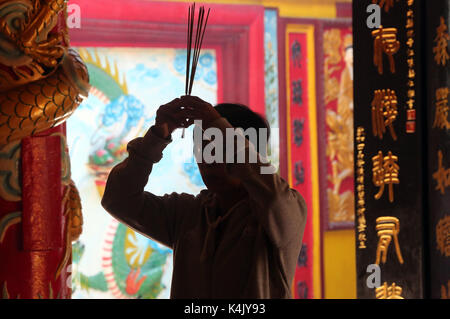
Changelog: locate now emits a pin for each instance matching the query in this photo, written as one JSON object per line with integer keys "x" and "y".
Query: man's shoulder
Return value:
{"x": 203, "y": 196}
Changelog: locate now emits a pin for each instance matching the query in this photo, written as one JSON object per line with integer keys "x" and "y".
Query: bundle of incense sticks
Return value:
{"x": 191, "y": 66}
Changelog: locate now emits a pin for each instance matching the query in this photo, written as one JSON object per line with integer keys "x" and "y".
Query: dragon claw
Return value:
{"x": 132, "y": 283}
{"x": 46, "y": 52}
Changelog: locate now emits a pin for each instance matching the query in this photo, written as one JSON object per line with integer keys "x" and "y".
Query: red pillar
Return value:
{"x": 32, "y": 231}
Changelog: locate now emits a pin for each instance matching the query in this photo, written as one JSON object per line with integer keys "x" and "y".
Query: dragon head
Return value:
{"x": 32, "y": 44}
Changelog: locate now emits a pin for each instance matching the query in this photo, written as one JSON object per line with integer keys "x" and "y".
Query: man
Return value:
{"x": 241, "y": 237}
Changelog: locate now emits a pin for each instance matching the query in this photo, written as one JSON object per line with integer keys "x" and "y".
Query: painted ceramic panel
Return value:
{"x": 338, "y": 99}
{"x": 129, "y": 84}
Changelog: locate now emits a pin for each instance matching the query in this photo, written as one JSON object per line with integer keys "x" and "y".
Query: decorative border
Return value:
{"x": 236, "y": 32}
{"x": 312, "y": 236}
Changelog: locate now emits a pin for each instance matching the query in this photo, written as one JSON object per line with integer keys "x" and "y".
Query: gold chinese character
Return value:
{"x": 410, "y": 62}
{"x": 384, "y": 112}
{"x": 362, "y": 238}
{"x": 443, "y": 236}
{"x": 440, "y": 50}
{"x": 409, "y": 23}
{"x": 360, "y": 163}
{"x": 387, "y": 227}
{"x": 361, "y": 171}
{"x": 361, "y": 224}
{"x": 385, "y": 40}
{"x": 360, "y": 138}
{"x": 385, "y": 171}
{"x": 386, "y": 4}
{"x": 410, "y": 33}
{"x": 360, "y": 155}
{"x": 391, "y": 292}
{"x": 410, "y": 103}
{"x": 442, "y": 175}
{"x": 441, "y": 115}
{"x": 360, "y": 179}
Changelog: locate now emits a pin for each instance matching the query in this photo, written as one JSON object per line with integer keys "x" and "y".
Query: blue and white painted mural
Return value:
{"x": 129, "y": 84}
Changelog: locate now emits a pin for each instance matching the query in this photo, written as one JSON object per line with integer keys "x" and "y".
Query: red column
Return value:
{"x": 32, "y": 231}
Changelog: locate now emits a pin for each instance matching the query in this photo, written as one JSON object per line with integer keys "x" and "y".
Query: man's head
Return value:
{"x": 241, "y": 116}
{"x": 215, "y": 175}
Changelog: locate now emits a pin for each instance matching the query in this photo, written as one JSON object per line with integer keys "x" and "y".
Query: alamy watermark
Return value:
{"x": 229, "y": 146}
{"x": 374, "y": 279}
{"x": 73, "y": 16}
{"x": 374, "y": 19}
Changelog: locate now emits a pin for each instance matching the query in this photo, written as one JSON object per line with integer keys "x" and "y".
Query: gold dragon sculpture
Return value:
{"x": 42, "y": 81}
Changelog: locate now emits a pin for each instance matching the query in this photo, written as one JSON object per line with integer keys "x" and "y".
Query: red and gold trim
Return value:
{"x": 303, "y": 68}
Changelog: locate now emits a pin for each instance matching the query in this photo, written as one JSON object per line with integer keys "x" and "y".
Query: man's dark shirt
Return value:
{"x": 255, "y": 252}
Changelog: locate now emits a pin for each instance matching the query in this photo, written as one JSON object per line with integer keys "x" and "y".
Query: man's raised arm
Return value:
{"x": 158, "y": 217}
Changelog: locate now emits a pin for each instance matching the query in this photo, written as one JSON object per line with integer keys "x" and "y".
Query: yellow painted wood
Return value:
{"x": 290, "y": 8}
{"x": 339, "y": 264}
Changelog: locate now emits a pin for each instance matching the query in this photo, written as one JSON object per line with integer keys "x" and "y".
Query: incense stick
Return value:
{"x": 199, "y": 35}
{"x": 196, "y": 48}
{"x": 189, "y": 44}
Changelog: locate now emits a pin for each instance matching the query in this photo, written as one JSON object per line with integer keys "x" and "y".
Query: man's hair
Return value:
{"x": 241, "y": 116}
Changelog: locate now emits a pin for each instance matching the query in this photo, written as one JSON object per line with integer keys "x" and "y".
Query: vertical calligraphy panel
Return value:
{"x": 389, "y": 150}
{"x": 302, "y": 152}
{"x": 438, "y": 82}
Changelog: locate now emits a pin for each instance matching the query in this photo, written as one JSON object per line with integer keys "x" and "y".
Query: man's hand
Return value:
{"x": 181, "y": 113}
{"x": 197, "y": 109}
{"x": 171, "y": 116}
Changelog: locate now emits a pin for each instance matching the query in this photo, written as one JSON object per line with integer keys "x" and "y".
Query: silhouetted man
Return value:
{"x": 239, "y": 238}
